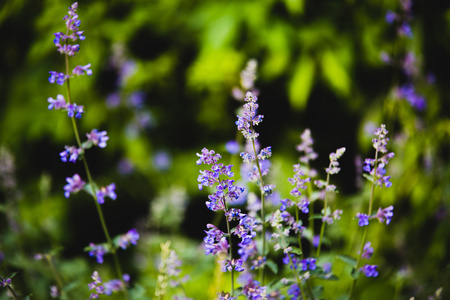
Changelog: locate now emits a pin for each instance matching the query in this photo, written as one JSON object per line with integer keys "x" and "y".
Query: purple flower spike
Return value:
{"x": 363, "y": 219}
{"x": 385, "y": 214}
{"x": 74, "y": 185}
{"x": 98, "y": 138}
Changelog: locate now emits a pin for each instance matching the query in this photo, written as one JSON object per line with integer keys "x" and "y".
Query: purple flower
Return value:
{"x": 385, "y": 214}
{"x": 367, "y": 251}
{"x": 405, "y": 30}
{"x": 97, "y": 138}
{"x": 72, "y": 24}
{"x": 316, "y": 241}
{"x": 303, "y": 206}
{"x": 229, "y": 265}
{"x": 306, "y": 147}
{"x": 333, "y": 168}
{"x": 106, "y": 192}
{"x": 369, "y": 270}
{"x": 131, "y": 237}
{"x": 232, "y": 147}
{"x": 308, "y": 263}
{"x": 253, "y": 291}
{"x": 208, "y": 157}
{"x": 390, "y": 17}
{"x": 74, "y": 109}
{"x": 249, "y": 119}
{"x": 299, "y": 181}
{"x": 113, "y": 285}
{"x": 59, "y": 78}
{"x": 74, "y": 185}
{"x": 57, "y": 103}
{"x": 71, "y": 152}
{"x": 80, "y": 70}
{"x": 5, "y": 282}
{"x": 294, "y": 292}
{"x": 363, "y": 219}
{"x": 98, "y": 251}
{"x": 408, "y": 92}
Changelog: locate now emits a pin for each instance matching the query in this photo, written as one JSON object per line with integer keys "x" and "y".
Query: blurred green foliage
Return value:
{"x": 319, "y": 67}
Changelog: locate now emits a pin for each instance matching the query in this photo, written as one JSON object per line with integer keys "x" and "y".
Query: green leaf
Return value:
{"x": 272, "y": 266}
{"x": 368, "y": 177}
{"x": 349, "y": 260}
{"x": 316, "y": 216}
{"x": 296, "y": 250}
{"x": 302, "y": 82}
{"x": 91, "y": 189}
{"x": 335, "y": 73}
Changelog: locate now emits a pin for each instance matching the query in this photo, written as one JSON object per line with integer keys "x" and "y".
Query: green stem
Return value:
{"x": 231, "y": 246}
{"x": 91, "y": 182}
{"x": 366, "y": 228}
{"x": 263, "y": 218}
{"x": 55, "y": 273}
{"x": 325, "y": 207}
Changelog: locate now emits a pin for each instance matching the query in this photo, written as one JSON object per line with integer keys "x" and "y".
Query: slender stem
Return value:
{"x": 10, "y": 289}
{"x": 366, "y": 228}
{"x": 55, "y": 273}
{"x": 91, "y": 182}
{"x": 325, "y": 207}
{"x": 231, "y": 245}
{"x": 263, "y": 218}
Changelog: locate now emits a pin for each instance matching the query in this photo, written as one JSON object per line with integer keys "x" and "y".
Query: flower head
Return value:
{"x": 98, "y": 251}
{"x": 369, "y": 270}
{"x": 106, "y": 192}
{"x": 131, "y": 237}
{"x": 363, "y": 219}
{"x": 385, "y": 214}
{"x": 249, "y": 119}
{"x": 367, "y": 251}
{"x": 97, "y": 138}
{"x": 58, "y": 103}
{"x": 74, "y": 185}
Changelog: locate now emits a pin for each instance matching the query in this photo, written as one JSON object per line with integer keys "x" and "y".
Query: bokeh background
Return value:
{"x": 163, "y": 75}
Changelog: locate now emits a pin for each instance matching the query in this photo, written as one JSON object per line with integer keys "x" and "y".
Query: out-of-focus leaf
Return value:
{"x": 302, "y": 82}
{"x": 295, "y": 6}
{"x": 347, "y": 259}
{"x": 335, "y": 73}
{"x": 272, "y": 266}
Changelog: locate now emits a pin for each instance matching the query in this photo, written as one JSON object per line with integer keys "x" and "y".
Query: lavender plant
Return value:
{"x": 65, "y": 43}
{"x": 286, "y": 229}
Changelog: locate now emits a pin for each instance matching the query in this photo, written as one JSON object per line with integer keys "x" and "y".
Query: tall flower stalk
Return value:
{"x": 376, "y": 173}
{"x": 246, "y": 123}
{"x": 95, "y": 138}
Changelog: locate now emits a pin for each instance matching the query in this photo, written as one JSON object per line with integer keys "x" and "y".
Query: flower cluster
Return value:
{"x": 253, "y": 291}
{"x": 98, "y": 251}
{"x": 106, "y": 288}
{"x": 248, "y": 77}
{"x": 61, "y": 41}
{"x": 131, "y": 237}
{"x": 249, "y": 119}
{"x": 376, "y": 167}
{"x": 106, "y": 192}
{"x": 60, "y": 104}
{"x": 5, "y": 282}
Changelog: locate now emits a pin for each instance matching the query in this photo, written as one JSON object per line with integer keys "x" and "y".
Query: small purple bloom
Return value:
{"x": 80, "y": 70}
{"x": 98, "y": 138}
{"x": 106, "y": 192}
{"x": 367, "y": 251}
{"x": 59, "y": 78}
{"x": 369, "y": 270}
{"x": 57, "y": 103}
{"x": 71, "y": 152}
{"x": 294, "y": 292}
{"x": 390, "y": 17}
{"x": 363, "y": 219}
{"x": 75, "y": 110}
{"x": 232, "y": 147}
{"x": 303, "y": 205}
{"x": 131, "y": 237}
{"x": 74, "y": 185}
{"x": 385, "y": 214}
{"x": 98, "y": 251}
